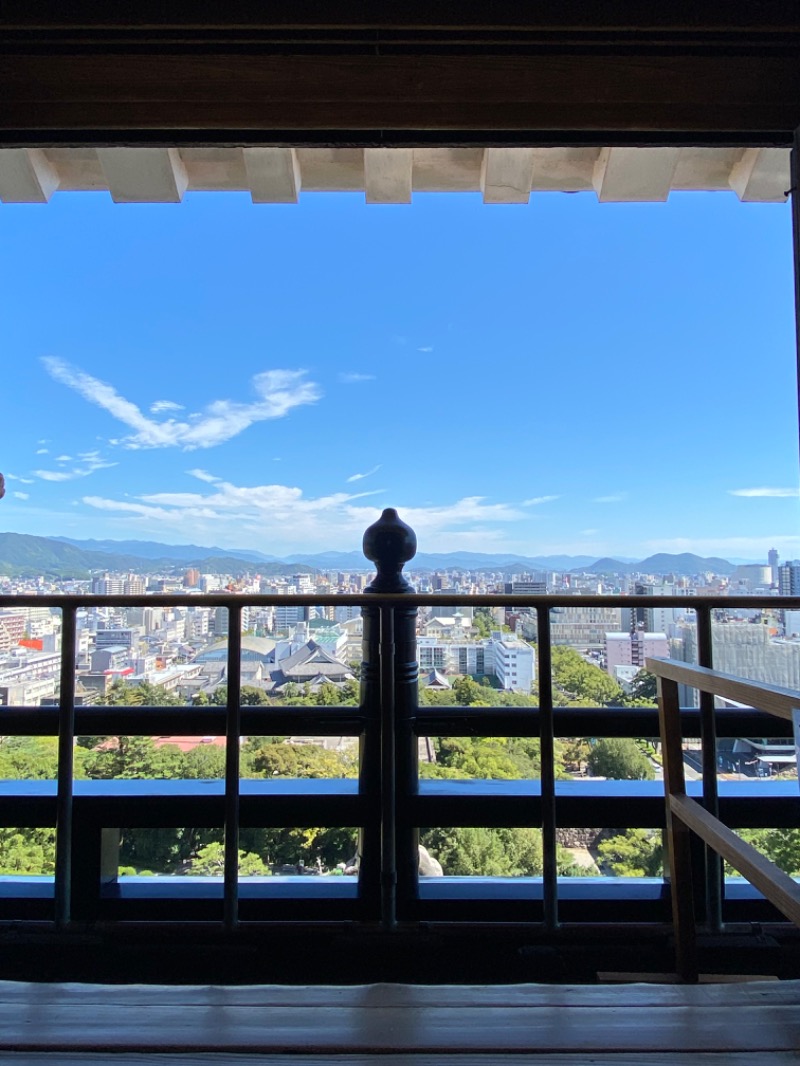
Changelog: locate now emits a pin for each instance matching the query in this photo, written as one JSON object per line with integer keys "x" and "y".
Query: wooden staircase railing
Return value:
{"x": 685, "y": 815}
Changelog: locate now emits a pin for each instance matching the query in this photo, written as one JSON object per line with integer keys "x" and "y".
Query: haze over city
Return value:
{"x": 567, "y": 377}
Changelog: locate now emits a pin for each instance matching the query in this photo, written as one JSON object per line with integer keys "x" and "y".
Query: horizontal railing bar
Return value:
{"x": 607, "y": 804}
{"x": 768, "y": 698}
{"x": 776, "y": 885}
{"x": 346, "y": 721}
{"x": 184, "y": 721}
{"x": 411, "y": 599}
{"x": 585, "y": 722}
{"x": 613, "y": 804}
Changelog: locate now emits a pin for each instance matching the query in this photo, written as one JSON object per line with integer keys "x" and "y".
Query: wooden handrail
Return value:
{"x": 768, "y": 698}
{"x": 684, "y": 814}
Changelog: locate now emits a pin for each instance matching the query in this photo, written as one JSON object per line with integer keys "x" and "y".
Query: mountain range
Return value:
{"x": 25, "y": 555}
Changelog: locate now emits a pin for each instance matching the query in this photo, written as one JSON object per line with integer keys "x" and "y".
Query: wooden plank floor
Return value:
{"x": 400, "y": 1025}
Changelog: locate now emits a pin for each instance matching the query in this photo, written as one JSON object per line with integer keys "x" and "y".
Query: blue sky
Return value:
{"x": 566, "y": 376}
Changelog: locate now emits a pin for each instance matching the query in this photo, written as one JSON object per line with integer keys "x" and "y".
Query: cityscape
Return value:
{"x": 265, "y": 407}
{"x": 311, "y": 656}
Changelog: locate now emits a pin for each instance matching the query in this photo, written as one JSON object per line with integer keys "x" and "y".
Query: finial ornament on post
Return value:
{"x": 390, "y": 543}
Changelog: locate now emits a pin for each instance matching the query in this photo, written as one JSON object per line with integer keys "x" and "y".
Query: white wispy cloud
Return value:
{"x": 203, "y": 475}
{"x": 90, "y": 462}
{"x": 42, "y": 451}
{"x": 427, "y": 348}
{"x": 56, "y": 475}
{"x": 589, "y": 532}
{"x": 285, "y": 519}
{"x": 534, "y": 501}
{"x": 354, "y": 378}
{"x": 63, "y": 459}
{"x": 616, "y": 497}
{"x": 23, "y": 480}
{"x": 21, "y": 495}
{"x": 165, "y": 405}
{"x": 773, "y": 493}
{"x": 367, "y": 473}
{"x": 278, "y": 391}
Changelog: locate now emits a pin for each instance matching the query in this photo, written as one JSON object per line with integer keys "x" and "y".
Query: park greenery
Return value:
{"x": 461, "y": 851}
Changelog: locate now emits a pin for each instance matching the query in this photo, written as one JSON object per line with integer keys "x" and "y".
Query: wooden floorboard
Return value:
{"x": 755, "y": 993}
{"x": 63, "y": 1025}
{"x": 533, "y": 1058}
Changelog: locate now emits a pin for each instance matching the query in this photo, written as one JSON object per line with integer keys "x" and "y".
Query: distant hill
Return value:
{"x": 449, "y": 561}
{"x": 330, "y": 560}
{"x": 685, "y": 564}
{"x": 151, "y": 549}
{"x": 22, "y": 555}
{"x": 607, "y": 566}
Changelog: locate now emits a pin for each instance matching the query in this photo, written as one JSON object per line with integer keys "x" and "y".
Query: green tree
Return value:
{"x": 204, "y": 762}
{"x": 135, "y": 757}
{"x": 483, "y": 623}
{"x": 29, "y": 758}
{"x": 502, "y": 758}
{"x": 323, "y": 847}
{"x": 122, "y": 694}
{"x": 478, "y": 851}
{"x": 633, "y": 853}
{"x": 643, "y": 691}
{"x": 163, "y": 850}
{"x": 619, "y": 758}
{"x": 328, "y": 695}
{"x": 210, "y": 862}
{"x": 301, "y": 760}
{"x": 252, "y": 696}
{"x": 581, "y": 682}
{"x": 27, "y": 851}
{"x": 782, "y": 846}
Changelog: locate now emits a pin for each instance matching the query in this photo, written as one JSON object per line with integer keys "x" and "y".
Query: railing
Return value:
{"x": 388, "y": 802}
{"x": 684, "y": 813}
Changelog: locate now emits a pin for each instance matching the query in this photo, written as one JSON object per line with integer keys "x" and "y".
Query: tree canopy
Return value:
{"x": 582, "y": 683}
{"x": 619, "y": 758}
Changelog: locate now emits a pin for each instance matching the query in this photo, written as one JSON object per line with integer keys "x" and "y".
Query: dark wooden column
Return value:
{"x": 389, "y": 693}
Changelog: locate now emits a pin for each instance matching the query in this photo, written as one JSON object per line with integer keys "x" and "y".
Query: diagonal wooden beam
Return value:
{"x": 26, "y": 176}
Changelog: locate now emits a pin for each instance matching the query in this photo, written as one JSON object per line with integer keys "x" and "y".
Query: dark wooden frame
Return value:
{"x": 376, "y": 73}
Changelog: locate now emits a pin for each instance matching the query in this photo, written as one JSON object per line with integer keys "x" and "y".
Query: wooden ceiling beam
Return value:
{"x": 184, "y": 96}
{"x": 685, "y": 16}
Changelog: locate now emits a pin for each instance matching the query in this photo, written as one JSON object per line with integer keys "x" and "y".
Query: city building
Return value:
{"x": 514, "y": 664}
{"x": 789, "y": 578}
{"x": 631, "y": 649}
{"x": 12, "y": 630}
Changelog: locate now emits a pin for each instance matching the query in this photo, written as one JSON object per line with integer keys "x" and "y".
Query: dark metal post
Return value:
{"x": 708, "y": 736}
{"x": 794, "y": 184}
{"x": 369, "y": 776}
{"x": 547, "y": 754}
{"x": 66, "y": 757}
{"x": 232, "y": 753}
{"x": 390, "y": 543}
